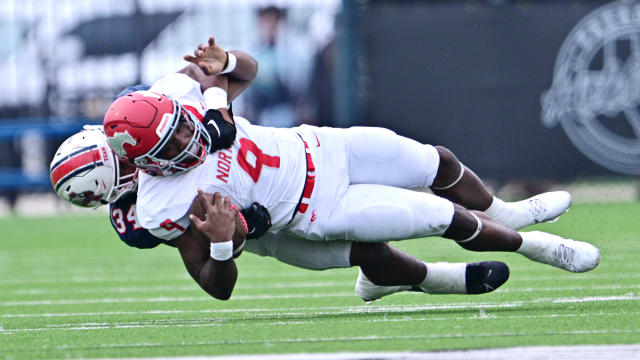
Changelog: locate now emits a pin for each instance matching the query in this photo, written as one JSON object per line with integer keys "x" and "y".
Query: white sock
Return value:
{"x": 445, "y": 278}
{"x": 533, "y": 247}
{"x": 507, "y": 214}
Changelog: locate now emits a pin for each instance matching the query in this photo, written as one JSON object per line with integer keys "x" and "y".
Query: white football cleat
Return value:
{"x": 369, "y": 291}
{"x": 567, "y": 254}
{"x": 545, "y": 207}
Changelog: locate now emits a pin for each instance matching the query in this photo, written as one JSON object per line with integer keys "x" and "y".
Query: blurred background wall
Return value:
{"x": 533, "y": 91}
{"x": 474, "y": 77}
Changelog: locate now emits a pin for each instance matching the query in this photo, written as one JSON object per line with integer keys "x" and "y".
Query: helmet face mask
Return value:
{"x": 140, "y": 125}
{"x": 86, "y": 173}
{"x": 193, "y": 154}
{"x": 123, "y": 183}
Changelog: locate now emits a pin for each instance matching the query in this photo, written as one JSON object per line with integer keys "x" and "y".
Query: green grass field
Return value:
{"x": 69, "y": 289}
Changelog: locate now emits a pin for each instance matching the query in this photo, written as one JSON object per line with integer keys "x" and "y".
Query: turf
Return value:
{"x": 70, "y": 289}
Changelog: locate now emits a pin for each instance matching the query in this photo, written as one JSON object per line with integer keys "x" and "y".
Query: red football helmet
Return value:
{"x": 140, "y": 124}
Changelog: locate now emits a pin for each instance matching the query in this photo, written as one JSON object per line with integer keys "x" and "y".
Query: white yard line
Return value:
{"x": 271, "y": 341}
{"x": 335, "y": 310}
{"x": 482, "y": 315}
{"x": 236, "y": 298}
{"x": 330, "y": 309}
{"x": 576, "y": 352}
{"x": 334, "y": 339}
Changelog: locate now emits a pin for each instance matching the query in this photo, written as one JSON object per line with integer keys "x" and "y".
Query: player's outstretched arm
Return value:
{"x": 240, "y": 67}
{"x": 242, "y": 77}
{"x": 211, "y": 266}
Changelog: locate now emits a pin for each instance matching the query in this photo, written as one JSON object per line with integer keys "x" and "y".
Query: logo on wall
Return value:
{"x": 596, "y": 87}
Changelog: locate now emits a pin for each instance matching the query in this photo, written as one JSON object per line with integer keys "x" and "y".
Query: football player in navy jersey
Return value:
{"x": 86, "y": 172}
{"x": 86, "y": 152}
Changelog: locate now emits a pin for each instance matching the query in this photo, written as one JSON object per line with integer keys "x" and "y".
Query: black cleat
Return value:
{"x": 486, "y": 276}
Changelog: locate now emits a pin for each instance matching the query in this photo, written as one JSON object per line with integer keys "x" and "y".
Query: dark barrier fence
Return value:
{"x": 470, "y": 76}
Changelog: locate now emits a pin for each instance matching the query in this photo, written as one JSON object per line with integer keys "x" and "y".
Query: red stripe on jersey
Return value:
{"x": 302, "y": 208}
{"x": 310, "y": 166}
{"x": 193, "y": 111}
{"x": 73, "y": 164}
{"x": 309, "y": 182}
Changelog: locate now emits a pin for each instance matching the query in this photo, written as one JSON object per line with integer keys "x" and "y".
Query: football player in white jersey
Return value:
{"x": 86, "y": 173}
{"x": 332, "y": 193}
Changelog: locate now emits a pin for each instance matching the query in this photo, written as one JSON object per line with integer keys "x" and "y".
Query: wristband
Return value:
{"x": 222, "y": 251}
{"x": 215, "y": 98}
{"x": 232, "y": 62}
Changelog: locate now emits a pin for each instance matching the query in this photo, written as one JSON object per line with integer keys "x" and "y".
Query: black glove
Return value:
{"x": 222, "y": 133}
{"x": 258, "y": 220}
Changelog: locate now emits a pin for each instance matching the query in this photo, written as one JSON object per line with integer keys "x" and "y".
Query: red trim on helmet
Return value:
{"x": 73, "y": 164}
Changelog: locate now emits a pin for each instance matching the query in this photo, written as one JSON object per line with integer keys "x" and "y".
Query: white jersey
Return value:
{"x": 341, "y": 184}
{"x": 272, "y": 173}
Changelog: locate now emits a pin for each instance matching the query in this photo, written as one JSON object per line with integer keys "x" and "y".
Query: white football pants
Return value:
{"x": 361, "y": 193}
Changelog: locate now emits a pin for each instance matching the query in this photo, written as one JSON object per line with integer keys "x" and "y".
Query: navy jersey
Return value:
{"x": 124, "y": 222}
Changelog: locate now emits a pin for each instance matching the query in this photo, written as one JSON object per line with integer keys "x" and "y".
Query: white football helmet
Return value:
{"x": 86, "y": 172}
